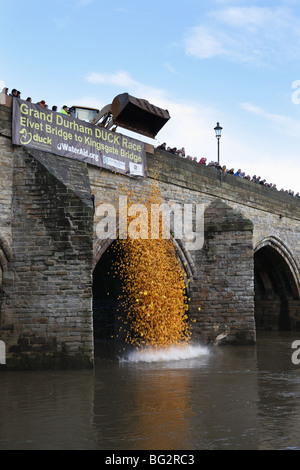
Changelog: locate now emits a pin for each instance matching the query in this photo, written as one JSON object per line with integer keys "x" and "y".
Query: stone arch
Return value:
{"x": 184, "y": 257}
{"x": 286, "y": 254}
{"x": 277, "y": 287}
{"x": 107, "y": 288}
{"x": 5, "y": 257}
{"x": 5, "y": 252}
{"x": 100, "y": 246}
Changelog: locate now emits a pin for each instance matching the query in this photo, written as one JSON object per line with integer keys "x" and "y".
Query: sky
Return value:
{"x": 235, "y": 62}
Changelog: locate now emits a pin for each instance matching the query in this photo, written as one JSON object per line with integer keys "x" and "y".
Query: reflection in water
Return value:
{"x": 279, "y": 393}
{"x": 150, "y": 409}
{"x": 230, "y": 398}
{"x": 46, "y": 410}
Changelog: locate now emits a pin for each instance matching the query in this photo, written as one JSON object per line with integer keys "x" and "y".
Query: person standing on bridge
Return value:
{"x": 14, "y": 93}
{"x": 65, "y": 110}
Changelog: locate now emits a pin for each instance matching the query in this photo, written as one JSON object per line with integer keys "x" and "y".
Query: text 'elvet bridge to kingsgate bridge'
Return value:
{"x": 63, "y": 211}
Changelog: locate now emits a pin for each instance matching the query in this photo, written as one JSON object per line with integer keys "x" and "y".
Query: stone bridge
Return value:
{"x": 57, "y": 297}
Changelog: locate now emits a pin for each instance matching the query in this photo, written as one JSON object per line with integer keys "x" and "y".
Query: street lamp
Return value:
{"x": 218, "y": 130}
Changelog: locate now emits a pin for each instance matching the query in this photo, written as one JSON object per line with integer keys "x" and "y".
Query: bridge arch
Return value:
{"x": 277, "y": 286}
{"x": 5, "y": 257}
{"x": 107, "y": 288}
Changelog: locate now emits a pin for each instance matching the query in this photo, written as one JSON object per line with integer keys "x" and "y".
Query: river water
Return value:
{"x": 211, "y": 398}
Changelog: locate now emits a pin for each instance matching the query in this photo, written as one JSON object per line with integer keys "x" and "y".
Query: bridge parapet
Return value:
{"x": 200, "y": 178}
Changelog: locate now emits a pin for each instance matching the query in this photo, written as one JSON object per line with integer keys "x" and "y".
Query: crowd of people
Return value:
{"x": 231, "y": 171}
{"x": 173, "y": 150}
{"x": 16, "y": 93}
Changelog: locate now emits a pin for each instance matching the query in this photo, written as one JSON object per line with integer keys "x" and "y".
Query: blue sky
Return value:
{"x": 232, "y": 61}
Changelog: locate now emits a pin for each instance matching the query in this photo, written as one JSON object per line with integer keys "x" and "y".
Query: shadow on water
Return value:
{"x": 222, "y": 398}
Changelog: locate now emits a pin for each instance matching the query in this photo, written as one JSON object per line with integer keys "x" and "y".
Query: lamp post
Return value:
{"x": 218, "y": 130}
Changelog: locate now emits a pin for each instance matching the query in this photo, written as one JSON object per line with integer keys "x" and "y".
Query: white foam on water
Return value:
{"x": 172, "y": 353}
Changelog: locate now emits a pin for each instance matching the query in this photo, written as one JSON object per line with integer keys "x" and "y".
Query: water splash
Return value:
{"x": 172, "y": 353}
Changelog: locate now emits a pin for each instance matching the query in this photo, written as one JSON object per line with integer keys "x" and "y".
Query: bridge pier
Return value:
{"x": 223, "y": 285}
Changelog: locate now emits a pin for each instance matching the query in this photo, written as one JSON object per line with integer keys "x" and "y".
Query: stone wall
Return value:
{"x": 223, "y": 285}
{"x": 46, "y": 314}
{"x": 273, "y": 213}
{"x": 6, "y": 195}
{"x": 49, "y": 248}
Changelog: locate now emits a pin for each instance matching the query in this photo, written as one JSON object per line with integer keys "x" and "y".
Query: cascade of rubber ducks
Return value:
{"x": 154, "y": 291}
